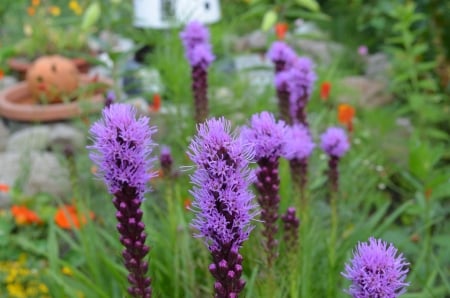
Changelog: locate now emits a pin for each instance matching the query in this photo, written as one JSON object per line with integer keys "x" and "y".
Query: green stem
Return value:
{"x": 332, "y": 247}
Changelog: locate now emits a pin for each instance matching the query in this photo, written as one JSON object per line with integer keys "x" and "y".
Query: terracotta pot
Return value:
{"x": 21, "y": 66}
{"x": 16, "y": 103}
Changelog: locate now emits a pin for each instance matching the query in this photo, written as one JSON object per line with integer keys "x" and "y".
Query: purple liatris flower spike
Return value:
{"x": 110, "y": 98}
{"x": 281, "y": 84}
{"x": 290, "y": 224}
{"x": 299, "y": 146}
{"x": 335, "y": 143}
{"x": 222, "y": 201}
{"x": 166, "y": 161}
{"x": 267, "y": 136}
{"x": 376, "y": 271}
{"x": 198, "y": 52}
{"x": 300, "y": 85}
{"x": 121, "y": 150}
{"x": 281, "y": 55}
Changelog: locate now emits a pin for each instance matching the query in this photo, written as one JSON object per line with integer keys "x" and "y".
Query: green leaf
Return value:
{"x": 269, "y": 19}
{"x": 91, "y": 16}
{"x": 309, "y": 4}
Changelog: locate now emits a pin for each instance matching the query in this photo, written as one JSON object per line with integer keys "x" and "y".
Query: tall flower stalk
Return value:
{"x": 267, "y": 136}
{"x": 282, "y": 56}
{"x": 335, "y": 143}
{"x": 195, "y": 38}
{"x": 376, "y": 270}
{"x": 222, "y": 201}
{"x": 121, "y": 150}
{"x": 300, "y": 85}
{"x": 299, "y": 146}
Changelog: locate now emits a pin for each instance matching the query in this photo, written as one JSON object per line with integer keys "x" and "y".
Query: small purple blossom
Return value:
{"x": 166, "y": 161}
{"x": 266, "y": 135}
{"x": 299, "y": 143}
{"x": 281, "y": 55}
{"x": 110, "y": 98}
{"x": 222, "y": 200}
{"x": 121, "y": 150}
{"x": 281, "y": 84}
{"x": 291, "y": 224}
{"x": 193, "y": 34}
{"x": 376, "y": 271}
{"x": 363, "y": 50}
{"x": 334, "y": 142}
{"x": 300, "y": 85}
{"x": 200, "y": 56}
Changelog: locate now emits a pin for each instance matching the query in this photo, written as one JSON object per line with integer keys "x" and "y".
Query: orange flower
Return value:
{"x": 187, "y": 204}
{"x": 325, "y": 89}
{"x": 35, "y": 2}
{"x": 94, "y": 170}
{"x": 428, "y": 193}
{"x": 2, "y": 74}
{"x": 31, "y": 11}
{"x": 345, "y": 115}
{"x": 4, "y": 187}
{"x": 23, "y": 215}
{"x": 280, "y": 30}
{"x": 156, "y": 105}
{"x": 67, "y": 217}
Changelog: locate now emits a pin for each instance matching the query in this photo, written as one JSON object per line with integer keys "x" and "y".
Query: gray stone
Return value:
{"x": 251, "y": 61}
{"x": 46, "y": 137}
{"x": 367, "y": 92}
{"x": 377, "y": 67}
{"x": 255, "y": 41}
{"x": 36, "y": 172}
{"x": 4, "y": 133}
{"x": 321, "y": 51}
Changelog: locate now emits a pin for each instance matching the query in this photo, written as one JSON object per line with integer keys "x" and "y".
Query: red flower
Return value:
{"x": 4, "y": 187}
{"x": 23, "y": 215}
{"x": 345, "y": 115}
{"x": 325, "y": 89}
{"x": 67, "y": 217}
{"x": 156, "y": 105}
{"x": 280, "y": 30}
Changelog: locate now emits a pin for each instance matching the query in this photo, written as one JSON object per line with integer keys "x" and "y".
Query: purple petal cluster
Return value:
{"x": 299, "y": 143}
{"x": 281, "y": 55}
{"x": 300, "y": 84}
{"x": 266, "y": 135}
{"x": 122, "y": 149}
{"x": 195, "y": 38}
{"x": 166, "y": 161}
{"x": 291, "y": 224}
{"x": 376, "y": 271}
{"x": 222, "y": 199}
{"x": 334, "y": 142}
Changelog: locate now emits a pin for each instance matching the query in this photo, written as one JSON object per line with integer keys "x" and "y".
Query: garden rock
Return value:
{"x": 366, "y": 92}
{"x": 378, "y": 67}
{"x": 4, "y": 132}
{"x": 320, "y": 51}
{"x": 37, "y": 172}
{"x": 46, "y": 137}
{"x": 254, "y": 41}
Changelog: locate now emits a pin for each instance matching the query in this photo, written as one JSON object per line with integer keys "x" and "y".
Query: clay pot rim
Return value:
{"x": 10, "y": 109}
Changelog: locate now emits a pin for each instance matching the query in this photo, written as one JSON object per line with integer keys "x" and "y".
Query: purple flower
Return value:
{"x": 166, "y": 161}
{"x": 221, "y": 195}
{"x": 363, "y": 50}
{"x": 222, "y": 200}
{"x": 334, "y": 142}
{"x": 281, "y": 55}
{"x": 291, "y": 224}
{"x": 266, "y": 135}
{"x": 193, "y": 34}
{"x": 201, "y": 55}
{"x": 299, "y": 143}
{"x": 110, "y": 98}
{"x": 121, "y": 149}
{"x": 376, "y": 271}
{"x": 300, "y": 84}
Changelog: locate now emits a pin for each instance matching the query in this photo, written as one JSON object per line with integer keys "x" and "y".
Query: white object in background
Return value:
{"x": 162, "y": 14}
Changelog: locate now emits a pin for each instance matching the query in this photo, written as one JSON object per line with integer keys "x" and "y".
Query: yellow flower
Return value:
{"x": 43, "y": 288}
{"x": 66, "y": 270}
{"x": 54, "y": 10}
{"x": 16, "y": 290}
{"x": 75, "y": 7}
